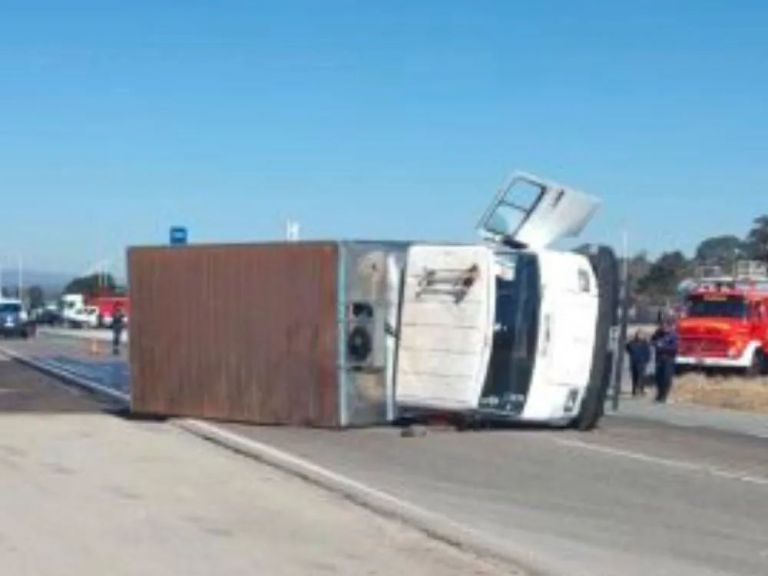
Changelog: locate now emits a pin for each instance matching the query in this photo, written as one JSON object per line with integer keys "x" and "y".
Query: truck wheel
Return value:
{"x": 757, "y": 366}
{"x": 606, "y": 270}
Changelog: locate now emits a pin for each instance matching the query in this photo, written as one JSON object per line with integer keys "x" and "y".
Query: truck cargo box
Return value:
{"x": 284, "y": 333}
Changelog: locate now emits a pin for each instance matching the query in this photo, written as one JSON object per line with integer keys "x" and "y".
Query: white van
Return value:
{"x": 75, "y": 313}
{"x": 511, "y": 329}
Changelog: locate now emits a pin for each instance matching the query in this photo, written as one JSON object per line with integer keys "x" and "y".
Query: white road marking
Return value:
{"x": 267, "y": 450}
{"x": 679, "y": 464}
{"x": 431, "y": 523}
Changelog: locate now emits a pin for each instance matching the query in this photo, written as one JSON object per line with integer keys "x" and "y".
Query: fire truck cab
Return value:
{"x": 725, "y": 322}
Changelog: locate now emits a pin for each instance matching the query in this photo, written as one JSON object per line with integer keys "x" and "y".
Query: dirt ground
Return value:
{"x": 723, "y": 391}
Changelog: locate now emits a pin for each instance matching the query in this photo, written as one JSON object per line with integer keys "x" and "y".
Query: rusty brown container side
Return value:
{"x": 236, "y": 332}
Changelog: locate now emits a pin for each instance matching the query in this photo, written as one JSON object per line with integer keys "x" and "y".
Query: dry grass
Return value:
{"x": 734, "y": 392}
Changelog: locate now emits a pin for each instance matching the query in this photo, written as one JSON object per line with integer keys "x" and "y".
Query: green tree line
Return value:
{"x": 657, "y": 281}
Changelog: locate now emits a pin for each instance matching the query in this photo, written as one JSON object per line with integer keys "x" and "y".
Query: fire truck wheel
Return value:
{"x": 757, "y": 366}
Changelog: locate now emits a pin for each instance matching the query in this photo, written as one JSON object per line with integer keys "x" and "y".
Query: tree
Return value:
{"x": 638, "y": 266}
{"x": 720, "y": 251}
{"x": 664, "y": 276}
{"x": 36, "y": 296}
{"x": 757, "y": 239}
{"x": 92, "y": 285}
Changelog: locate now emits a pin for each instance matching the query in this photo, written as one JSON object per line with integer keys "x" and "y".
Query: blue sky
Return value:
{"x": 372, "y": 119}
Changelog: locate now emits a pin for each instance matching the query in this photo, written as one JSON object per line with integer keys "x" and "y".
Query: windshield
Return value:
{"x": 515, "y": 338}
{"x": 717, "y": 307}
{"x": 10, "y": 308}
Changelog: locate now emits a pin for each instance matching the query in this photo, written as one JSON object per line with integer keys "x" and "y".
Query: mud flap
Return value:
{"x": 606, "y": 268}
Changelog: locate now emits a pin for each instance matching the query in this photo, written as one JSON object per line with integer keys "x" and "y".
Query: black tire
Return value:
{"x": 606, "y": 269}
{"x": 758, "y": 364}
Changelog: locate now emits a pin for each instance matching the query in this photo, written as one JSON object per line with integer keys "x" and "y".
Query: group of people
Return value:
{"x": 663, "y": 347}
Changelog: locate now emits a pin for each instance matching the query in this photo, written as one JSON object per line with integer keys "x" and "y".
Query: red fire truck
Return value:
{"x": 107, "y": 306}
{"x": 725, "y": 323}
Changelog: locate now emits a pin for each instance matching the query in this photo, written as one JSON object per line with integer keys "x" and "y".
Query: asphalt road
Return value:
{"x": 634, "y": 498}
{"x": 84, "y": 492}
{"x": 27, "y": 391}
{"x": 91, "y": 359}
{"x": 639, "y": 496}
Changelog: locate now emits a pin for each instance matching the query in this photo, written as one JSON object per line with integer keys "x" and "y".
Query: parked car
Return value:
{"x": 14, "y": 321}
{"x": 47, "y": 317}
{"x": 83, "y": 317}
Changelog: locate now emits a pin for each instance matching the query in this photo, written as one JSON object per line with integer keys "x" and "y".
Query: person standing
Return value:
{"x": 664, "y": 342}
{"x": 118, "y": 325}
{"x": 639, "y": 351}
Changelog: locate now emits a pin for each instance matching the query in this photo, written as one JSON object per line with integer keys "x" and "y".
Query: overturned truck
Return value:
{"x": 339, "y": 334}
{"x": 511, "y": 329}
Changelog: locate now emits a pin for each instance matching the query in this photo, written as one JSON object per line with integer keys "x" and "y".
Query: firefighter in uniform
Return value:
{"x": 664, "y": 343}
{"x": 639, "y": 352}
{"x": 118, "y": 325}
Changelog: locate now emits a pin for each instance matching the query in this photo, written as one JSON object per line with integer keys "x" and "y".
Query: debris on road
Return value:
{"x": 413, "y": 431}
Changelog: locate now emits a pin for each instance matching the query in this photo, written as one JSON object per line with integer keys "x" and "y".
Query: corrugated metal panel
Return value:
{"x": 236, "y": 332}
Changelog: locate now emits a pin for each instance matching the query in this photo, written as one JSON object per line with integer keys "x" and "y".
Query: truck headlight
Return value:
{"x": 736, "y": 349}
{"x": 570, "y": 399}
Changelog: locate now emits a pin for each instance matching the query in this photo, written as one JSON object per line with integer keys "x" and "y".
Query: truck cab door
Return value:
{"x": 446, "y": 327}
{"x": 531, "y": 212}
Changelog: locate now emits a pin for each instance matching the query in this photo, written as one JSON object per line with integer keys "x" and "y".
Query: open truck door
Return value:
{"x": 534, "y": 213}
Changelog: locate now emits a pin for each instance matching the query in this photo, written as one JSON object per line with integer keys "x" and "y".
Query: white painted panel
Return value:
{"x": 569, "y": 314}
{"x": 560, "y": 213}
{"x": 450, "y": 340}
{"x": 447, "y": 392}
{"x": 438, "y": 320}
{"x": 431, "y": 311}
{"x": 536, "y": 212}
{"x": 437, "y": 362}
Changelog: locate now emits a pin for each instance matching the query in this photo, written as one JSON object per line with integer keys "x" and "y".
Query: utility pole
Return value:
{"x": 623, "y": 310}
{"x": 21, "y": 279}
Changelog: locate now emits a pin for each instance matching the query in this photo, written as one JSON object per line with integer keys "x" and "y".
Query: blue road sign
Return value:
{"x": 178, "y": 235}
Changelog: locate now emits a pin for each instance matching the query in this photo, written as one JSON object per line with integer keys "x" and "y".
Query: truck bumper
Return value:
{"x": 14, "y": 332}
{"x": 743, "y": 361}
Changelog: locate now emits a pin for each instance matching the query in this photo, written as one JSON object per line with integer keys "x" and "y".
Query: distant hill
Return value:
{"x": 51, "y": 282}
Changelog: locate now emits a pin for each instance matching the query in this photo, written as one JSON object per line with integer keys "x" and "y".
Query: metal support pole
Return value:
{"x": 21, "y": 279}
{"x": 621, "y": 336}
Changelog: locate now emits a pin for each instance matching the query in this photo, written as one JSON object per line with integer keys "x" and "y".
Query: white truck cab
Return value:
{"x": 510, "y": 329}
{"x": 76, "y": 314}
